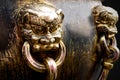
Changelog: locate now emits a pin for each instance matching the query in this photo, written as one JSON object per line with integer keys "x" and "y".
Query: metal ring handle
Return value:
{"x": 51, "y": 68}
{"x": 40, "y": 67}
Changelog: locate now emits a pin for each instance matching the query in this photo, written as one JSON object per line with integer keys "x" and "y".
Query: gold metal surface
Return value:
{"x": 40, "y": 67}
{"x": 105, "y": 19}
{"x": 40, "y": 25}
{"x": 52, "y": 68}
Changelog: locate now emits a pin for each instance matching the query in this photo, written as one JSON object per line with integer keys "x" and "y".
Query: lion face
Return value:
{"x": 40, "y": 25}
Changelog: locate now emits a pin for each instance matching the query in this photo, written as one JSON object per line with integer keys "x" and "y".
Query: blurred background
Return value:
{"x": 115, "y": 72}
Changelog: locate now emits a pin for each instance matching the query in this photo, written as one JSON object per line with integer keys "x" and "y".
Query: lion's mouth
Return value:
{"x": 43, "y": 43}
{"x": 45, "y": 47}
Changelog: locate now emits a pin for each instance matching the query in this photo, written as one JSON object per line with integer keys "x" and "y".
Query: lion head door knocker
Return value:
{"x": 105, "y": 21}
{"x": 40, "y": 25}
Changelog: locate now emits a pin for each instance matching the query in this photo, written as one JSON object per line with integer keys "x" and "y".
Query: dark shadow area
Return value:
{"x": 115, "y": 72}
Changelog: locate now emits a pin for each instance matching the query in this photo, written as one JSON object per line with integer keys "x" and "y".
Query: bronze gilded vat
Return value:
{"x": 57, "y": 40}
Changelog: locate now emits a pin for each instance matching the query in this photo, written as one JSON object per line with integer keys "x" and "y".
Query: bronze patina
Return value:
{"x": 40, "y": 25}
{"x": 105, "y": 21}
{"x": 42, "y": 42}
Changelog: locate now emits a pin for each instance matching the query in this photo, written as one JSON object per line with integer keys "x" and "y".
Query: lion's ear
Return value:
{"x": 60, "y": 14}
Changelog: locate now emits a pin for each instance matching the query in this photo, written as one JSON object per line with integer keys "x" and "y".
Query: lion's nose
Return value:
{"x": 44, "y": 41}
{"x": 47, "y": 39}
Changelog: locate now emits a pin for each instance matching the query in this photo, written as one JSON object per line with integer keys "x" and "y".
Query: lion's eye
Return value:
{"x": 53, "y": 28}
{"x": 38, "y": 29}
